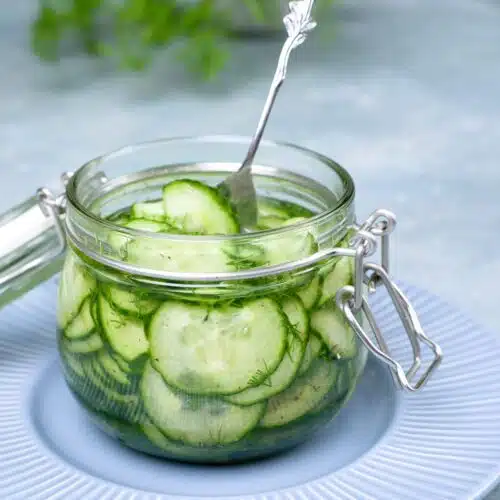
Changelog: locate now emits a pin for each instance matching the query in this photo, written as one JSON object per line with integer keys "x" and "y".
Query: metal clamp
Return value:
{"x": 52, "y": 208}
{"x": 351, "y": 301}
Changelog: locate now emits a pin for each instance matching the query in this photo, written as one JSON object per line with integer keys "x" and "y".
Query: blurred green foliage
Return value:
{"x": 128, "y": 31}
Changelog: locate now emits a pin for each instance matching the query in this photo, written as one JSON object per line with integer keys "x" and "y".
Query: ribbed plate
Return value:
{"x": 442, "y": 443}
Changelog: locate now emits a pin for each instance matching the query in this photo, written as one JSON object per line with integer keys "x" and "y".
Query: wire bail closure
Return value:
{"x": 350, "y": 300}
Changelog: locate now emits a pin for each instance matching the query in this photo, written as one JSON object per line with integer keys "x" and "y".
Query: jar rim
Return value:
{"x": 345, "y": 199}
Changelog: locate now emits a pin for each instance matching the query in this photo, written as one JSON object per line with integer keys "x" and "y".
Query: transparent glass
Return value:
{"x": 27, "y": 240}
{"x": 170, "y": 343}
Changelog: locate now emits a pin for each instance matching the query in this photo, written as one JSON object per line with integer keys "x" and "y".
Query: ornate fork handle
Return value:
{"x": 298, "y": 24}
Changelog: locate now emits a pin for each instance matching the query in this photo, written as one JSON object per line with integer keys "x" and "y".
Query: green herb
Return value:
{"x": 261, "y": 377}
{"x": 128, "y": 31}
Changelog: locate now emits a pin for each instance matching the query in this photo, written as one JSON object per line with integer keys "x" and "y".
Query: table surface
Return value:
{"x": 403, "y": 93}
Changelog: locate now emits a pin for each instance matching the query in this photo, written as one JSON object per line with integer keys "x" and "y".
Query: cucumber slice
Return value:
{"x": 115, "y": 391}
{"x": 270, "y": 207}
{"x": 341, "y": 275}
{"x": 335, "y": 332}
{"x": 289, "y": 248}
{"x": 221, "y": 350}
{"x": 94, "y": 312}
{"x": 111, "y": 367}
{"x": 130, "y": 302}
{"x": 195, "y": 420}
{"x": 72, "y": 361}
{"x": 267, "y": 207}
{"x": 156, "y": 437}
{"x": 285, "y": 373}
{"x": 294, "y": 220}
{"x": 126, "y": 335}
{"x": 152, "y": 210}
{"x": 273, "y": 222}
{"x": 83, "y": 324}
{"x": 146, "y": 225}
{"x": 119, "y": 241}
{"x": 269, "y": 222}
{"x": 346, "y": 380}
{"x": 302, "y": 396}
{"x": 119, "y": 218}
{"x": 297, "y": 318}
{"x": 76, "y": 284}
{"x": 310, "y": 293}
{"x": 91, "y": 343}
{"x": 241, "y": 256}
{"x": 179, "y": 255}
{"x": 116, "y": 399}
{"x": 195, "y": 208}
{"x": 313, "y": 348}
{"x": 327, "y": 267}
{"x": 124, "y": 365}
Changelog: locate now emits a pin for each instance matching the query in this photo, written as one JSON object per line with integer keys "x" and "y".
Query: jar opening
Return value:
{"x": 91, "y": 183}
{"x": 283, "y": 172}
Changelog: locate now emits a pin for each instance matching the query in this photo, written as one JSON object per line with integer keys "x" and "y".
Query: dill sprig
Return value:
{"x": 129, "y": 31}
{"x": 261, "y": 377}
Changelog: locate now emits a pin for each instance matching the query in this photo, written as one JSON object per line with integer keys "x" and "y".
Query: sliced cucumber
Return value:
{"x": 195, "y": 208}
{"x": 152, "y": 210}
{"x": 283, "y": 376}
{"x": 313, "y": 348}
{"x": 220, "y": 350}
{"x": 289, "y": 247}
{"x": 111, "y": 367}
{"x": 273, "y": 222}
{"x": 85, "y": 345}
{"x": 241, "y": 256}
{"x": 294, "y": 220}
{"x": 341, "y": 275}
{"x": 119, "y": 241}
{"x": 116, "y": 399}
{"x": 119, "y": 218}
{"x": 94, "y": 312}
{"x": 83, "y": 385}
{"x": 83, "y": 324}
{"x": 124, "y": 365}
{"x": 330, "y": 263}
{"x": 302, "y": 396}
{"x": 281, "y": 209}
{"x": 270, "y": 222}
{"x": 72, "y": 361}
{"x": 267, "y": 207}
{"x": 311, "y": 293}
{"x": 125, "y": 334}
{"x": 156, "y": 437}
{"x": 335, "y": 332}
{"x": 146, "y": 225}
{"x": 76, "y": 284}
{"x": 298, "y": 320}
{"x": 179, "y": 255}
{"x": 195, "y": 420}
{"x": 130, "y": 302}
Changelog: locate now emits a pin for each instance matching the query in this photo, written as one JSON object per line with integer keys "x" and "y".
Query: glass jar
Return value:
{"x": 219, "y": 349}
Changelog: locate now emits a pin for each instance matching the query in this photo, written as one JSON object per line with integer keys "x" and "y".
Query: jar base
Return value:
{"x": 268, "y": 443}
{"x": 60, "y": 424}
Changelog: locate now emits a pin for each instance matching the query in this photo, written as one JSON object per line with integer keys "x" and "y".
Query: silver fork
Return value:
{"x": 238, "y": 187}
